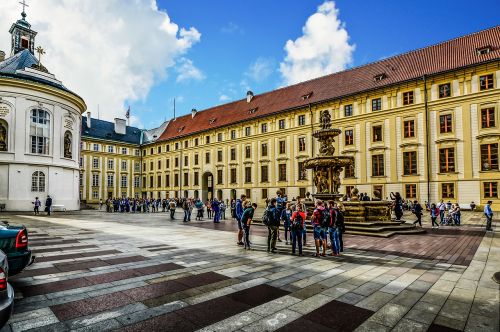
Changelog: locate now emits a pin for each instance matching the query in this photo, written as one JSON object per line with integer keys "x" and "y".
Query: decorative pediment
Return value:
{"x": 347, "y": 151}
{"x": 481, "y": 136}
{"x": 376, "y": 148}
{"x": 248, "y": 162}
{"x": 409, "y": 144}
{"x": 282, "y": 158}
{"x": 447, "y": 139}
{"x": 299, "y": 157}
{"x": 264, "y": 161}
{"x": 233, "y": 164}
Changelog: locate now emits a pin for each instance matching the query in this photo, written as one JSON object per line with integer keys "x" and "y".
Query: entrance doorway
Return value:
{"x": 207, "y": 188}
{"x": 196, "y": 194}
{"x": 233, "y": 193}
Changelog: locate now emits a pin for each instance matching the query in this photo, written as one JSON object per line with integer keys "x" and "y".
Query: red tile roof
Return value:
{"x": 449, "y": 55}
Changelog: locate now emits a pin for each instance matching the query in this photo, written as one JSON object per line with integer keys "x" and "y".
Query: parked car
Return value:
{"x": 6, "y": 291}
{"x": 14, "y": 243}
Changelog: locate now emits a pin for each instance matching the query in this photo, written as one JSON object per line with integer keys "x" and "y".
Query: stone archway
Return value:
{"x": 207, "y": 187}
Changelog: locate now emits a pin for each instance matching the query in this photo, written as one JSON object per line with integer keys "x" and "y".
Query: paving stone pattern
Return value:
{"x": 144, "y": 272}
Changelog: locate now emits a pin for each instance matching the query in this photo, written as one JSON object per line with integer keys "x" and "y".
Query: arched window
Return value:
{"x": 68, "y": 145}
{"x": 40, "y": 131}
{"x": 4, "y": 131}
{"x": 38, "y": 182}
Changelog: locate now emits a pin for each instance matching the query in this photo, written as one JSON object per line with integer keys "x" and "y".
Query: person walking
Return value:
{"x": 216, "y": 210}
{"x": 239, "y": 213}
{"x": 434, "y": 211}
{"x": 488, "y": 212}
{"x": 271, "y": 219}
{"x": 333, "y": 230}
{"x": 442, "y": 208}
{"x": 222, "y": 208}
{"x": 280, "y": 207}
{"x": 246, "y": 220}
{"x": 185, "y": 208}
{"x": 48, "y": 204}
{"x": 417, "y": 211}
{"x": 37, "y": 205}
{"x": 340, "y": 225}
{"x": 297, "y": 225}
{"x": 320, "y": 220}
{"x": 172, "y": 205}
{"x": 285, "y": 219}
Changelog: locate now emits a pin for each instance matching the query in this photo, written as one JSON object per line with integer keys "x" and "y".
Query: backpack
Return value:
{"x": 297, "y": 222}
{"x": 265, "y": 217}
{"x": 280, "y": 206}
{"x": 326, "y": 218}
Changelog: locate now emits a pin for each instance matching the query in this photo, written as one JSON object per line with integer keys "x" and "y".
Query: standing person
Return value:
{"x": 172, "y": 207}
{"x": 319, "y": 219}
{"x": 48, "y": 205}
{"x": 216, "y": 210}
{"x": 222, "y": 208}
{"x": 340, "y": 225}
{"x": 397, "y": 205}
{"x": 271, "y": 219}
{"x": 297, "y": 226}
{"x": 472, "y": 206}
{"x": 457, "y": 214}
{"x": 417, "y": 210}
{"x": 185, "y": 208}
{"x": 488, "y": 212}
{"x": 333, "y": 230}
{"x": 100, "y": 204}
{"x": 233, "y": 209}
{"x": 280, "y": 207}
{"x": 285, "y": 218}
{"x": 239, "y": 213}
{"x": 199, "y": 207}
{"x": 37, "y": 204}
{"x": 434, "y": 214}
{"x": 190, "y": 208}
{"x": 246, "y": 220}
{"x": 208, "y": 204}
{"x": 442, "y": 209}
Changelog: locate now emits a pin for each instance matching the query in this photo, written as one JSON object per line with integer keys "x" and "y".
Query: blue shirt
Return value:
{"x": 239, "y": 209}
{"x": 487, "y": 210}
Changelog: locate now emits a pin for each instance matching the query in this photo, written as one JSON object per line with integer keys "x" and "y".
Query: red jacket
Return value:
{"x": 317, "y": 216}
{"x": 302, "y": 214}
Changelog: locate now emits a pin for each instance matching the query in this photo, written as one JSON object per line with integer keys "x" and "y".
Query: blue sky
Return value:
{"x": 236, "y": 34}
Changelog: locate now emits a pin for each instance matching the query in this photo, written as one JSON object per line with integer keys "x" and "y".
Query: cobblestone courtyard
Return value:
{"x": 97, "y": 271}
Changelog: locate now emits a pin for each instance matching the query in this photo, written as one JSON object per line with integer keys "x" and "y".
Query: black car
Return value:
{"x": 6, "y": 291}
{"x": 14, "y": 243}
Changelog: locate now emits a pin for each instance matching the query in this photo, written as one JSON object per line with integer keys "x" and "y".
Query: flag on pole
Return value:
{"x": 127, "y": 115}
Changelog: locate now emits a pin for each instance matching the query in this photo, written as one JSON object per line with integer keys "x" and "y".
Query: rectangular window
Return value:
{"x": 220, "y": 178}
{"x": 186, "y": 144}
{"x": 186, "y": 179}
{"x": 263, "y": 149}
{"x": 167, "y": 147}
{"x": 282, "y": 147}
{"x": 124, "y": 165}
{"x": 376, "y": 104}
{"x": 486, "y": 82}
{"x": 448, "y": 190}
{"x": 95, "y": 180}
{"x": 247, "y": 151}
{"x": 207, "y": 139}
{"x": 151, "y": 151}
{"x": 247, "y": 193}
{"x": 410, "y": 163}
{"x": 489, "y": 157}
{"x": 143, "y": 167}
{"x": 282, "y": 172}
{"x": 302, "y": 171}
{"x": 444, "y": 90}
{"x": 137, "y": 167}
{"x": 281, "y": 124}
{"x": 95, "y": 194}
{"x": 196, "y": 159}
{"x": 176, "y": 145}
{"x": 111, "y": 149}
{"x": 349, "y": 171}
{"x": 151, "y": 181}
{"x": 159, "y": 164}
{"x": 196, "y": 178}
{"x": 247, "y": 131}
{"x": 490, "y": 189}
{"x": 124, "y": 151}
{"x": 124, "y": 181}
{"x": 377, "y": 134}
{"x": 378, "y": 165}
{"x": 207, "y": 157}
{"x": 111, "y": 181}
{"x": 248, "y": 174}
{"x": 219, "y": 137}
{"x": 445, "y": 123}
{"x": 348, "y": 110}
{"x": 349, "y": 137}
{"x": 263, "y": 128}
{"x": 186, "y": 161}
{"x": 151, "y": 166}
{"x": 409, "y": 128}
{"x": 81, "y": 181}
{"x": 233, "y": 153}
{"x": 195, "y": 142}
{"x": 176, "y": 161}
{"x": 233, "y": 134}
{"x": 302, "y": 144}
{"x": 447, "y": 160}
{"x": 144, "y": 181}
{"x": 137, "y": 182}
{"x": 167, "y": 163}
{"x": 219, "y": 156}
{"x": 111, "y": 163}
{"x": 176, "y": 180}
{"x": 95, "y": 162}
{"x": 233, "y": 175}
{"x": 488, "y": 117}
{"x": 264, "y": 193}
{"x": 408, "y": 98}
{"x": 264, "y": 173}
{"x": 96, "y": 147}
{"x": 137, "y": 152}
{"x": 167, "y": 180}
{"x": 158, "y": 149}
{"x": 302, "y": 192}
{"x": 302, "y": 120}
{"x": 348, "y": 190}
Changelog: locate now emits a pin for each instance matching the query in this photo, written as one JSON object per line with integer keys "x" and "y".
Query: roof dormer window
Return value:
{"x": 212, "y": 120}
{"x": 252, "y": 111}
{"x": 180, "y": 129}
{"x": 379, "y": 77}
{"x": 307, "y": 96}
{"x": 483, "y": 50}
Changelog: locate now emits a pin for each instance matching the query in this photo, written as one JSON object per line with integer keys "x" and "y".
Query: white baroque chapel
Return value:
{"x": 40, "y": 123}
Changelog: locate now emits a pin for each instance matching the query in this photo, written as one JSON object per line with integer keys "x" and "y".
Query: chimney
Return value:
{"x": 193, "y": 112}
{"x": 2, "y": 56}
{"x": 120, "y": 126}
{"x": 249, "y": 96}
{"x": 88, "y": 119}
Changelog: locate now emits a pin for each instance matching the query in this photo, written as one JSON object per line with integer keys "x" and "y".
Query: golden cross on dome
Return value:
{"x": 40, "y": 52}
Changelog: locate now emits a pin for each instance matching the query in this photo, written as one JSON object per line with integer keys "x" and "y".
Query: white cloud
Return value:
{"x": 232, "y": 28}
{"x": 322, "y": 49}
{"x": 187, "y": 71}
{"x": 108, "y": 52}
{"x": 224, "y": 98}
{"x": 261, "y": 69}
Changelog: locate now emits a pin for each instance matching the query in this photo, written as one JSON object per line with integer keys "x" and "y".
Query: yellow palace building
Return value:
{"x": 424, "y": 123}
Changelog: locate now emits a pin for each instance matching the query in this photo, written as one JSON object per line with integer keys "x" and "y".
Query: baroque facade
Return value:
{"x": 39, "y": 129}
{"x": 424, "y": 123}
